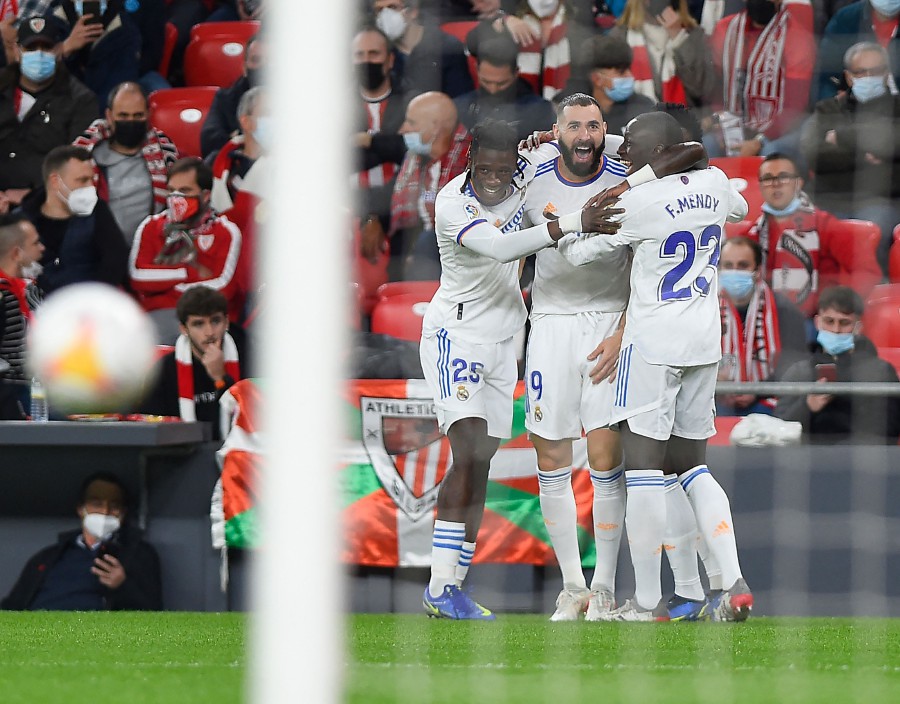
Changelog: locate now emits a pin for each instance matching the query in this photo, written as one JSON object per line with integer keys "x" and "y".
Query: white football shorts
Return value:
{"x": 560, "y": 398}
{"x": 659, "y": 401}
{"x": 469, "y": 380}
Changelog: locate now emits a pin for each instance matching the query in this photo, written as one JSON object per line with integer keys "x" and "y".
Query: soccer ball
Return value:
{"x": 92, "y": 347}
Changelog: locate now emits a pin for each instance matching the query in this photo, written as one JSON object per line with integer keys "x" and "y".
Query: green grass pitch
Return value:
{"x": 174, "y": 658}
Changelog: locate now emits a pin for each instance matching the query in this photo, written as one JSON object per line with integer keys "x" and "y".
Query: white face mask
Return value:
{"x": 81, "y": 201}
{"x": 391, "y": 22}
{"x": 100, "y": 525}
{"x": 543, "y": 8}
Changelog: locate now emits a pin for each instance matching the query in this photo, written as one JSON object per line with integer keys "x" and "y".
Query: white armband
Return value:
{"x": 645, "y": 174}
{"x": 570, "y": 223}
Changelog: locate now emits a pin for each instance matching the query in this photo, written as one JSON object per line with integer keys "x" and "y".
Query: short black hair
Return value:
{"x": 107, "y": 477}
{"x": 606, "y": 51}
{"x": 493, "y": 134}
{"x": 685, "y": 116}
{"x": 200, "y": 168}
{"x": 842, "y": 299}
{"x": 580, "y": 99}
{"x": 200, "y": 300}
{"x": 499, "y": 51}
{"x": 779, "y": 155}
{"x": 12, "y": 234}
{"x": 747, "y": 242}
{"x": 59, "y": 156}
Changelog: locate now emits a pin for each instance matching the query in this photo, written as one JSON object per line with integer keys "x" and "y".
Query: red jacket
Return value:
{"x": 159, "y": 285}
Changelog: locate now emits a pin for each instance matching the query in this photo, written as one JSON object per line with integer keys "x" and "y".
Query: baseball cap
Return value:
{"x": 40, "y": 29}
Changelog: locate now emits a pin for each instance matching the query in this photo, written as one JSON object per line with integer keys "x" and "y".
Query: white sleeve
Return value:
{"x": 613, "y": 142}
{"x": 485, "y": 239}
{"x": 579, "y": 250}
{"x": 737, "y": 206}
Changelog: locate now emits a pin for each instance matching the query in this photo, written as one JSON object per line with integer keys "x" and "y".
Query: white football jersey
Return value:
{"x": 479, "y": 299}
{"x": 674, "y": 226}
{"x": 559, "y": 287}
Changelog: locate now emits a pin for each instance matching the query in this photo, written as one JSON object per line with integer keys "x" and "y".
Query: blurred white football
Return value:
{"x": 92, "y": 347}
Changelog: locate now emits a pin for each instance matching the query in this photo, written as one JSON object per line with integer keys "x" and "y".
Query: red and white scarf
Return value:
{"x": 184, "y": 364}
{"x": 546, "y": 67}
{"x": 653, "y": 61}
{"x": 16, "y": 286}
{"x": 755, "y": 348}
{"x": 756, "y": 91}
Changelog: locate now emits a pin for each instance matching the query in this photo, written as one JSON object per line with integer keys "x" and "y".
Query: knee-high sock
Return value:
{"x": 713, "y": 512}
{"x": 446, "y": 545}
{"x": 645, "y": 521}
{"x": 609, "y": 520}
{"x": 710, "y": 566}
{"x": 681, "y": 541}
{"x": 561, "y": 519}
{"x": 466, "y": 553}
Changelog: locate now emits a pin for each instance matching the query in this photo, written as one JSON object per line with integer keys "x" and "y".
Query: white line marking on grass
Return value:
{"x": 619, "y": 667}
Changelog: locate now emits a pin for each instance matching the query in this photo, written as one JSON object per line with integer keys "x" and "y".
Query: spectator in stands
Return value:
{"x": 131, "y": 158}
{"x": 210, "y": 355}
{"x": 607, "y": 77}
{"x": 762, "y": 331}
{"x": 221, "y": 122}
{"x": 20, "y": 250}
{"x": 842, "y": 353}
{"x": 671, "y": 61}
{"x": 765, "y": 56}
{"x": 241, "y": 152}
{"x": 502, "y": 94}
{"x": 875, "y": 21}
{"x": 805, "y": 249}
{"x": 852, "y": 144}
{"x": 41, "y": 106}
{"x": 425, "y": 58}
{"x": 379, "y": 148}
{"x": 824, "y": 10}
{"x": 186, "y": 245}
{"x": 81, "y": 238}
{"x": 438, "y": 150}
{"x": 105, "y": 565}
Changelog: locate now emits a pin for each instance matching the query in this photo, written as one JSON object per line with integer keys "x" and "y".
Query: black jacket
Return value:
{"x": 221, "y": 121}
{"x": 527, "y": 111}
{"x": 141, "y": 590}
{"x": 846, "y": 418}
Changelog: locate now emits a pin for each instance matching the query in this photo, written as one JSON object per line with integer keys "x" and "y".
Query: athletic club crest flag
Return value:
{"x": 395, "y": 459}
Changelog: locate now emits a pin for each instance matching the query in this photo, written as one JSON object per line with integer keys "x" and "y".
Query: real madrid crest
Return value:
{"x": 462, "y": 393}
{"x": 472, "y": 211}
{"x": 538, "y": 414}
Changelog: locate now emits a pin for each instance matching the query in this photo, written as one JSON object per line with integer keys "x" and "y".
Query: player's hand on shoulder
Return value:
{"x": 600, "y": 218}
{"x": 607, "y": 196}
{"x": 535, "y": 140}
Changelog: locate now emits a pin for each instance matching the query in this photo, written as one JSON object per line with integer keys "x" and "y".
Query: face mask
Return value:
{"x": 100, "y": 525}
{"x": 38, "y": 65}
{"x": 835, "y": 343}
{"x": 391, "y": 22}
{"x": 761, "y": 11}
{"x": 414, "y": 144}
{"x": 886, "y": 8}
{"x": 868, "y": 88}
{"x": 32, "y": 271}
{"x": 79, "y": 7}
{"x": 786, "y": 210}
{"x": 738, "y": 284}
{"x": 543, "y": 8}
{"x": 263, "y": 133}
{"x": 81, "y": 201}
{"x": 253, "y": 76}
{"x": 182, "y": 207}
{"x": 130, "y": 133}
{"x": 622, "y": 88}
{"x": 370, "y": 75}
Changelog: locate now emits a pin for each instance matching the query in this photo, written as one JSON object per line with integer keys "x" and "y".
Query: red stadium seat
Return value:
{"x": 355, "y": 306}
{"x": 214, "y": 55}
{"x": 881, "y": 319}
{"x": 744, "y": 173}
{"x": 894, "y": 258}
{"x": 171, "y": 38}
{"x": 423, "y": 289}
{"x": 460, "y": 30}
{"x": 866, "y": 234}
{"x": 399, "y": 316}
{"x": 735, "y": 229}
{"x": 180, "y": 112}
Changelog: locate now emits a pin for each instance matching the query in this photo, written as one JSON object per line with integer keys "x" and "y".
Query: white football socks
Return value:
{"x": 446, "y": 546}
{"x": 645, "y": 521}
{"x": 681, "y": 541}
{"x": 710, "y": 566}
{"x": 609, "y": 520}
{"x": 466, "y": 553}
{"x": 713, "y": 512}
{"x": 561, "y": 519}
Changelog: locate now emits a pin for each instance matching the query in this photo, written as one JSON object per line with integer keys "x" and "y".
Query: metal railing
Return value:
{"x": 796, "y": 388}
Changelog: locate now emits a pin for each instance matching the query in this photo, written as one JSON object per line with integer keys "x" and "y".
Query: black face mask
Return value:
{"x": 761, "y": 11}
{"x": 370, "y": 75}
{"x": 129, "y": 133}
{"x": 253, "y": 76}
{"x": 506, "y": 95}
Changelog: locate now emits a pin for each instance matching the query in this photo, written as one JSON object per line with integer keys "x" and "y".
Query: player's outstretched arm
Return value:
{"x": 680, "y": 157}
{"x": 737, "y": 206}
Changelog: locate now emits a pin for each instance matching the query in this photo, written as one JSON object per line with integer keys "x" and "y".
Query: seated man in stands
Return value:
{"x": 762, "y": 331}
{"x": 241, "y": 151}
{"x": 131, "y": 158}
{"x": 105, "y": 565}
{"x": 842, "y": 353}
{"x": 186, "y": 245}
{"x": 209, "y": 357}
{"x": 805, "y": 249}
